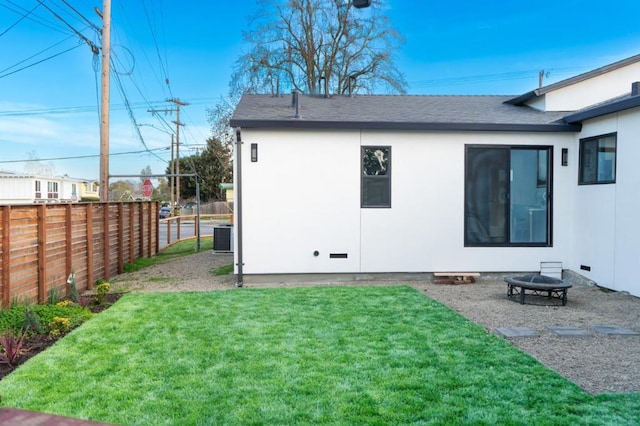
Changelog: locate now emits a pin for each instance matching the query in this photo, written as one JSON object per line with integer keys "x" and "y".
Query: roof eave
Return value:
{"x": 369, "y": 125}
{"x": 522, "y": 99}
{"x": 599, "y": 111}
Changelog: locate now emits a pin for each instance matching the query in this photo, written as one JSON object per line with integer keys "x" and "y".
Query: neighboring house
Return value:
{"x": 89, "y": 190}
{"x": 18, "y": 188}
{"x": 383, "y": 184}
{"x": 228, "y": 191}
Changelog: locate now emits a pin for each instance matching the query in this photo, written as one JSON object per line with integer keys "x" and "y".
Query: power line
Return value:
{"x": 21, "y": 11}
{"x": 22, "y": 17}
{"x": 131, "y": 116}
{"x": 37, "y": 62}
{"x": 91, "y": 45}
{"x": 78, "y": 157}
{"x": 155, "y": 43}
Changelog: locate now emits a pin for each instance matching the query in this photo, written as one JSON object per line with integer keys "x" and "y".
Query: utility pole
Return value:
{"x": 104, "y": 101}
{"x": 175, "y": 166}
{"x": 178, "y": 103}
{"x": 173, "y": 179}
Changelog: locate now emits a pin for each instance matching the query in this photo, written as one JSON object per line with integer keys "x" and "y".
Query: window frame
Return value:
{"x": 509, "y": 148}
{"x": 363, "y": 178}
{"x": 582, "y": 159}
{"x": 52, "y": 190}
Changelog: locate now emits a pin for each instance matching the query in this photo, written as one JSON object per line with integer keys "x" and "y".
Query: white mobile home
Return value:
{"x": 18, "y": 188}
{"x": 383, "y": 184}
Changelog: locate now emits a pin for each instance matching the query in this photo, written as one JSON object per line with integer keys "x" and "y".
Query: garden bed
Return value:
{"x": 36, "y": 343}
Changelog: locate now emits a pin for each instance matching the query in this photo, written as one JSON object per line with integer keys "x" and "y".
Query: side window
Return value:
{"x": 376, "y": 176}
{"x": 598, "y": 160}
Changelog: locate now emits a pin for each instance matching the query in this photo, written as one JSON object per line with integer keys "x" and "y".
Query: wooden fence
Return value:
{"x": 40, "y": 245}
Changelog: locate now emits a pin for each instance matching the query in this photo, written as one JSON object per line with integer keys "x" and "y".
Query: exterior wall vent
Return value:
{"x": 635, "y": 88}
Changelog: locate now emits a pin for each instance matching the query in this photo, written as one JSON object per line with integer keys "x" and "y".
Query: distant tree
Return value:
{"x": 144, "y": 173}
{"x": 313, "y": 46}
{"x": 161, "y": 192}
{"x": 35, "y": 166}
{"x": 121, "y": 190}
{"x": 307, "y": 44}
{"x": 212, "y": 165}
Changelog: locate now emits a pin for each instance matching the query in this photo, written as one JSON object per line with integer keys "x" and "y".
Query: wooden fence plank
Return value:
{"x": 120, "y": 238}
{"x": 90, "y": 271}
{"x": 42, "y": 252}
{"x": 105, "y": 241}
{"x": 6, "y": 256}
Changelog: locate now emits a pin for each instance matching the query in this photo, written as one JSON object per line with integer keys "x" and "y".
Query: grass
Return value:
{"x": 223, "y": 270}
{"x": 179, "y": 249}
{"x": 324, "y": 355}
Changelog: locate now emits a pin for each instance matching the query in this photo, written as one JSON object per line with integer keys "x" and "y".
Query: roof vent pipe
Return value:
{"x": 352, "y": 84}
{"x": 635, "y": 88}
{"x": 296, "y": 102}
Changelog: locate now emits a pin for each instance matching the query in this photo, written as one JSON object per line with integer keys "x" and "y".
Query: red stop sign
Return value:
{"x": 147, "y": 188}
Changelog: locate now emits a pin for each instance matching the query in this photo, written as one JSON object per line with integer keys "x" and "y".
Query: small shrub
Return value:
{"x": 11, "y": 345}
{"x": 54, "y": 296}
{"x": 65, "y": 303}
{"x": 59, "y": 326}
{"x": 31, "y": 321}
{"x": 102, "y": 290}
{"x": 77, "y": 314}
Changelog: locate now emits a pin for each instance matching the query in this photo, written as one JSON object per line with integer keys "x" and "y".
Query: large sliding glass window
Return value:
{"x": 507, "y": 195}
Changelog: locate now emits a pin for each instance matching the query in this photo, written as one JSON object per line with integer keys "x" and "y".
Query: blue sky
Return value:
{"x": 49, "y": 110}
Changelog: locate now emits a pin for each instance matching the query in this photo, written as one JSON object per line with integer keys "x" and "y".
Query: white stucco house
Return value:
{"x": 413, "y": 184}
{"x": 18, "y": 188}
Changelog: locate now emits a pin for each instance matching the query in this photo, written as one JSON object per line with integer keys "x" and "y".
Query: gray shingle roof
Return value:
{"x": 473, "y": 113}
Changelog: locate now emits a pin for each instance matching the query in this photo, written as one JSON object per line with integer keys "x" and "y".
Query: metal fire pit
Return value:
{"x": 537, "y": 285}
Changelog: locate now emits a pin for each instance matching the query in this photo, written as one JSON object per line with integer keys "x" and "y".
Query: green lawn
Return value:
{"x": 179, "y": 249}
{"x": 324, "y": 355}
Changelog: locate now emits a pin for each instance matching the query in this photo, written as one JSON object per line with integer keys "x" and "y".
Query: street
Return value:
{"x": 186, "y": 230}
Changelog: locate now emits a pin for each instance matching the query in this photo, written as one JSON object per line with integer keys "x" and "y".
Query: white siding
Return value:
{"x": 593, "y": 91}
{"x": 421, "y": 232}
{"x": 16, "y": 190}
{"x": 607, "y": 228}
{"x": 320, "y": 212}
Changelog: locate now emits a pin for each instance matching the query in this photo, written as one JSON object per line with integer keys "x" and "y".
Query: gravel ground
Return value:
{"x": 596, "y": 363}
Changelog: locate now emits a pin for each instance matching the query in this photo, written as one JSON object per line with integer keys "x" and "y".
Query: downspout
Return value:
{"x": 238, "y": 206}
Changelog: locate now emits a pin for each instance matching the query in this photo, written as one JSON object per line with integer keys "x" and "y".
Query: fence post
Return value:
{"x": 42, "y": 252}
{"x": 6, "y": 256}
{"x": 106, "y": 258}
{"x": 131, "y": 234}
{"x": 68, "y": 245}
{"x": 149, "y": 229}
{"x": 120, "y": 238}
{"x": 141, "y": 229}
{"x": 90, "y": 271}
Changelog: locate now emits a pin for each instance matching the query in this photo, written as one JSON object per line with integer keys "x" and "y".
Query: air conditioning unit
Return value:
{"x": 223, "y": 239}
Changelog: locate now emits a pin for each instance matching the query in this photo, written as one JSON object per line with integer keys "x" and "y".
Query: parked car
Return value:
{"x": 165, "y": 212}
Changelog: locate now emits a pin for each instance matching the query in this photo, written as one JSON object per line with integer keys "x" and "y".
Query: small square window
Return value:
{"x": 376, "y": 176}
{"x": 598, "y": 160}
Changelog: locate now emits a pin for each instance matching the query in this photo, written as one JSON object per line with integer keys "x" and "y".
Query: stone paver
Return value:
{"x": 516, "y": 332}
{"x": 567, "y": 331}
{"x": 613, "y": 330}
